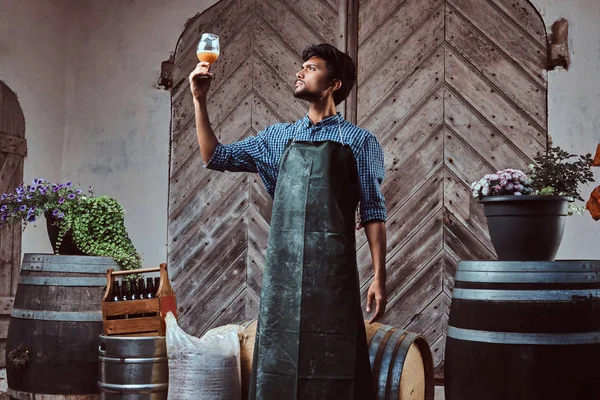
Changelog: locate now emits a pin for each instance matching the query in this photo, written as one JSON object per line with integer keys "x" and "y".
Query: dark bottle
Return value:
{"x": 115, "y": 291}
{"x": 141, "y": 289}
{"x": 125, "y": 294}
{"x": 134, "y": 289}
{"x": 156, "y": 286}
{"x": 150, "y": 291}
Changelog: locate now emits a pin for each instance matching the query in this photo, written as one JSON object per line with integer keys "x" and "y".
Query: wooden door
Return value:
{"x": 452, "y": 89}
{"x": 218, "y": 223}
{"x": 13, "y": 149}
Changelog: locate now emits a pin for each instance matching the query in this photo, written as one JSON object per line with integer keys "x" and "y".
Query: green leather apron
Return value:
{"x": 311, "y": 341}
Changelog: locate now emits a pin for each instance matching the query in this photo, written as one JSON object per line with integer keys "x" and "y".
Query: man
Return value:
{"x": 311, "y": 341}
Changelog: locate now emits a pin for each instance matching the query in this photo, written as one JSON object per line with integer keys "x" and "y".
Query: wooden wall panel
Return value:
{"x": 467, "y": 78}
{"x": 13, "y": 148}
{"x": 219, "y": 223}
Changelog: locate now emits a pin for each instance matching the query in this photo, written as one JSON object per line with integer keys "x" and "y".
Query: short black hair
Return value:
{"x": 339, "y": 66}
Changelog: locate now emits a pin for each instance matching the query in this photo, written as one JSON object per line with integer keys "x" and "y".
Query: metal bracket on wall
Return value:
{"x": 558, "y": 45}
{"x": 165, "y": 80}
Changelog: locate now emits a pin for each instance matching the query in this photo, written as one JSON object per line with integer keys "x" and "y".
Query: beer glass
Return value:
{"x": 208, "y": 48}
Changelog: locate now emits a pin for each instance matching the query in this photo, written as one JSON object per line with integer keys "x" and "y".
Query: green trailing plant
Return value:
{"x": 97, "y": 226}
{"x": 96, "y": 223}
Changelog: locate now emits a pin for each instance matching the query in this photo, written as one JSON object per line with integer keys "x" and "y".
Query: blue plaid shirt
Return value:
{"x": 261, "y": 154}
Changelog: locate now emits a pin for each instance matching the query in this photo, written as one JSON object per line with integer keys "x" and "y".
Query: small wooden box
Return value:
{"x": 119, "y": 317}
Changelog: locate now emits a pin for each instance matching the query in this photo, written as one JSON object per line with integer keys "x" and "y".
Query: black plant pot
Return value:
{"x": 67, "y": 247}
{"x": 526, "y": 228}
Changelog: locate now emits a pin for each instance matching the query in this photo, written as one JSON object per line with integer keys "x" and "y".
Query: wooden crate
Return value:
{"x": 119, "y": 317}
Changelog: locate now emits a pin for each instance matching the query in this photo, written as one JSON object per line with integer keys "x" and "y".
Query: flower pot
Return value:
{"x": 526, "y": 228}
{"x": 67, "y": 247}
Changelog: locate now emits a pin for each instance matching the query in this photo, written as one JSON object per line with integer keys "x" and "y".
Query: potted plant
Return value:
{"x": 526, "y": 214}
{"x": 77, "y": 223}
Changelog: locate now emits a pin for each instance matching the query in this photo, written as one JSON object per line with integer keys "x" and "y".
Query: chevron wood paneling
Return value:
{"x": 12, "y": 133}
{"x": 453, "y": 90}
{"x": 219, "y": 223}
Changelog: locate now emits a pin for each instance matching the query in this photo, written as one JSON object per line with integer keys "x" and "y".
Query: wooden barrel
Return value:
{"x": 133, "y": 368}
{"x": 401, "y": 362}
{"x": 524, "y": 330}
{"x": 52, "y": 344}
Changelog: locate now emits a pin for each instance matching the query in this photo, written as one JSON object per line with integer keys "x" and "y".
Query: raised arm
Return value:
{"x": 200, "y": 80}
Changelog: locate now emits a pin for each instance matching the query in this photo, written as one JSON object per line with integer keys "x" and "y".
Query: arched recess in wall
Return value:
{"x": 13, "y": 149}
{"x": 452, "y": 89}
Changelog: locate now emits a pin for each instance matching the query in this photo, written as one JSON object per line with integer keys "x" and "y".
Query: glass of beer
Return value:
{"x": 208, "y": 48}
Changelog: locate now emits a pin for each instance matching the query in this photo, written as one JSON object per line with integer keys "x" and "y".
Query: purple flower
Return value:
{"x": 55, "y": 189}
{"x": 79, "y": 192}
{"x": 68, "y": 184}
{"x": 40, "y": 180}
{"x": 43, "y": 190}
{"x": 71, "y": 196}
{"x": 3, "y": 197}
{"x": 31, "y": 218}
{"x": 19, "y": 199}
{"x": 55, "y": 213}
{"x": 61, "y": 200}
{"x": 61, "y": 215}
{"x": 23, "y": 208}
{"x": 3, "y": 217}
{"x": 29, "y": 196}
{"x": 33, "y": 189}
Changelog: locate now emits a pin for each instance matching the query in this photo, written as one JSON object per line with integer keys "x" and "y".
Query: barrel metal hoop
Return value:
{"x": 471, "y": 335}
{"x": 62, "y": 281}
{"x": 399, "y": 364}
{"x": 90, "y": 316}
{"x": 63, "y": 259}
{"x": 527, "y": 277}
{"x": 127, "y": 347}
{"x": 376, "y": 341}
{"x": 74, "y": 268}
{"x": 531, "y": 266}
{"x": 17, "y": 394}
{"x": 121, "y": 388}
{"x": 132, "y": 360}
{"x": 526, "y": 295}
{"x": 386, "y": 361}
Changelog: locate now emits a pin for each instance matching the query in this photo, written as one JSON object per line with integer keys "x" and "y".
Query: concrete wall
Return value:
{"x": 117, "y": 119}
{"x": 88, "y": 70}
{"x": 33, "y": 57}
{"x": 574, "y": 107}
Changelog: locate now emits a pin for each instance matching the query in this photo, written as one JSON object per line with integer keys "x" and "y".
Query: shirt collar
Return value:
{"x": 326, "y": 122}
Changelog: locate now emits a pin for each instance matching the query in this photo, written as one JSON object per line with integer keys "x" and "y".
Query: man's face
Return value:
{"x": 312, "y": 81}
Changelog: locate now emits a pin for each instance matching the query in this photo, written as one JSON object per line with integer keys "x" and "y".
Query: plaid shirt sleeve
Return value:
{"x": 238, "y": 156}
{"x": 371, "y": 173}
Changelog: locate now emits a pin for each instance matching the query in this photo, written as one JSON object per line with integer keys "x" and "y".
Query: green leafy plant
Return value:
{"x": 554, "y": 173}
{"x": 96, "y": 223}
{"x": 98, "y": 228}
